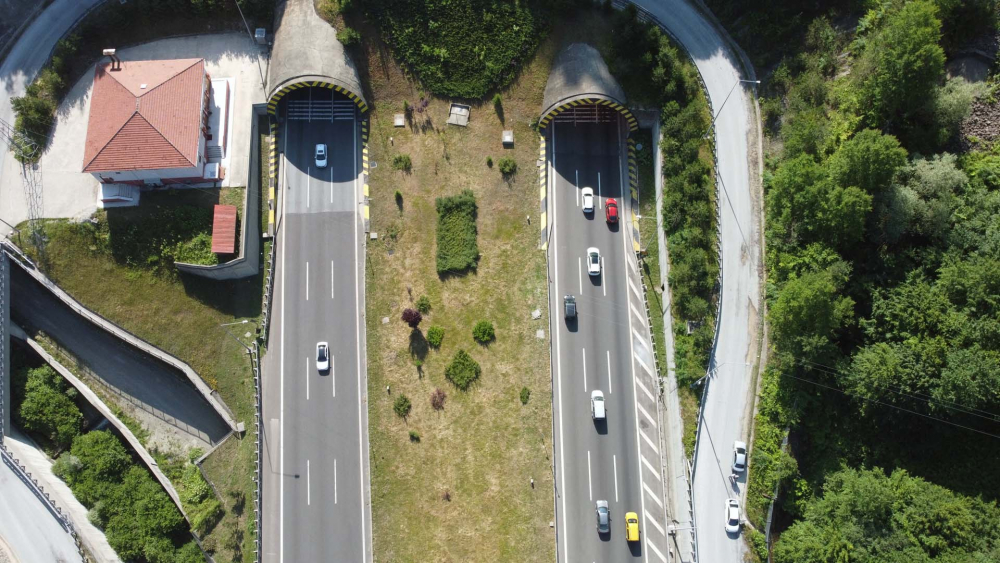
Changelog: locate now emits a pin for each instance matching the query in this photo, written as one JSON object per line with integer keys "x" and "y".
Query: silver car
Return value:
{"x": 321, "y": 155}
{"x": 603, "y": 517}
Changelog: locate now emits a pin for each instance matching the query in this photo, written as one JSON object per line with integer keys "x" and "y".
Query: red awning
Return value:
{"x": 224, "y": 229}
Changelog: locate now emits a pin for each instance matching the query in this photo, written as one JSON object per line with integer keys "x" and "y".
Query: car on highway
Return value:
{"x": 739, "y": 457}
{"x": 603, "y": 517}
{"x": 569, "y": 306}
{"x": 593, "y": 261}
{"x": 321, "y": 155}
{"x": 588, "y": 200}
{"x": 732, "y": 516}
{"x": 322, "y": 356}
{"x": 597, "y": 411}
{"x": 611, "y": 210}
{"x": 631, "y": 526}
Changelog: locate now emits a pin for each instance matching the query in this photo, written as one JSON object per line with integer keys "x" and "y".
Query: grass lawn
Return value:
{"x": 180, "y": 314}
{"x": 462, "y": 492}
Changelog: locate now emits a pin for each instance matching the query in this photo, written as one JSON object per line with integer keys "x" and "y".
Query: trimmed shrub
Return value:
{"x": 414, "y": 436}
{"x": 399, "y": 199}
{"x": 507, "y": 165}
{"x": 402, "y": 162}
{"x": 457, "y": 249}
{"x": 525, "y": 394}
{"x": 424, "y": 304}
{"x": 435, "y": 335}
{"x": 489, "y": 162}
{"x": 348, "y": 36}
{"x": 402, "y": 406}
{"x": 437, "y": 399}
{"x": 483, "y": 332}
{"x": 412, "y": 317}
{"x": 497, "y": 101}
{"x": 463, "y": 370}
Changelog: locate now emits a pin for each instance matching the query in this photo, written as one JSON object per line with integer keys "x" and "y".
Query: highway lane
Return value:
{"x": 318, "y": 460}
{"x": 594, "y": 461}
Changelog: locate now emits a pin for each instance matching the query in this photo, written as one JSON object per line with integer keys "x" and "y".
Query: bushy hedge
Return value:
{"x": 457, "y": 249}
{"x": 44, "y": 404}
{"x": 462, "y": 49}
{"x": 483, "y": 332}
{"x": 463, "y": 370}
{"x": 435, "y": 335}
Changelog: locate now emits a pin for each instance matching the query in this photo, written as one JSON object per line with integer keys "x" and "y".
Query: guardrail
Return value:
{"x": 258, "y": 453}
{"x": 265, "y": 308}
{"x": 39, "y": 492}
{"x": 4, "y": 364}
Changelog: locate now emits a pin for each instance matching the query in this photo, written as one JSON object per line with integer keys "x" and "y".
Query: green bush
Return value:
{"x": 525, "y": 394}
{"x": 402, "y": 406}
{"x": 507, "y": 166}
{"x": 435, "y": 335}
{"x": 196, "y": 251}
{"x": 457, "y": 249}
{"x": 463, "y": 370}
{"x": 348, "y": 36}
{"x": 402, "y": 162}
{"x": 483, "y": 332}
{"x": 489, "y": 162}
{"x": 48, "y": 408}
{"x": 497, "y": 101}
{"x": 414, "y": 436}
{"x": 423, "y": 304}
{"x": 203, "y": 509}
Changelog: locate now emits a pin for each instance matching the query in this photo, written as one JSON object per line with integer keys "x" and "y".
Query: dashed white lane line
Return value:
{"x": 590, "y": 481}
{"x": 579, "y": 265}
{"x": 655, "y": 524}
{"x": 654, "y": 550}
{"x": 335, "y": 481}
{"x": 651, "y": 419}
{"x": 650, "y": 467}
{"x": 584, "y": 352}
{"x": 308, "y": 485}
{"x": 333, "y": 281}
{"x": 609, "y": 372}
{"x": 604, "y": 278}
{"x": 652, "y": 495}
{"x": 643, "y": 387}
{"x": 333, "y": 374}
{"x": 614, "y": 460}
{"x": 307, "y": 378}
{"x": 648, "y": 441}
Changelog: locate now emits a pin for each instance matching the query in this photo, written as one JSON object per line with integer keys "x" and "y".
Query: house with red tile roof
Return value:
{"x": 148, "y": 124}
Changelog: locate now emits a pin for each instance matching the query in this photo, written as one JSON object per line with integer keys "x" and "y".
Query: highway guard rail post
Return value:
{"x": 644, "y": 15}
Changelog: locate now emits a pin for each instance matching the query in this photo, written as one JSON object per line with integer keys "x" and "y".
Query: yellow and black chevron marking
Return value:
{"x": 633, "y": 124}
{"x": 633, "y": 188}
{"x": 272, "y": 104}
{"x": 543, "y": 192}
{"x": 364, "y": 173}
{"x": 272, "y": 168}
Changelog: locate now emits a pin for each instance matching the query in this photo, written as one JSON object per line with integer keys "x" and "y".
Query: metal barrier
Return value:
{"x": 265, "y": 308}
{"x": 259, "y": 453}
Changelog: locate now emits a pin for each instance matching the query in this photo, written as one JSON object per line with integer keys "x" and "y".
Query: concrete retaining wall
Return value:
{"x": 4, "y": 355}
{"x": 248, "y": 262}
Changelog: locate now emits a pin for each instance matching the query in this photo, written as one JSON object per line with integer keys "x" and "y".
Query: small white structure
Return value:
{"x": 508, "y": 138}
{"x": 459, "y": 115}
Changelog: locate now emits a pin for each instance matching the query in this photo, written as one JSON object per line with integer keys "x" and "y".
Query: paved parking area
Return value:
{"x": 68, "y": 192}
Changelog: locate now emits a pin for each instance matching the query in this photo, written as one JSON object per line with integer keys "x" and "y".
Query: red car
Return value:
{"x": 611, "y": 210}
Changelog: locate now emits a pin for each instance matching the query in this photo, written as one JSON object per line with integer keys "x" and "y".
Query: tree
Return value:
{"x": 104, "y": 461}
{"x": 463, "y": 370}
{"x": 807, "y": 314}
{"x": 412, "y": 317}
{"x": 868, "y": 161}
{"x": 48, "y": 409}
{"x": 900, "y": 65}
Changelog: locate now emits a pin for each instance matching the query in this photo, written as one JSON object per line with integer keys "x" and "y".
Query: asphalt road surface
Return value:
{"x": 145, "y": 381}
{"x": 728, "y": 402}
{"x": 317, "y": 489}
{"x": 27, "y": 525}
{"x": 595, "y": 460}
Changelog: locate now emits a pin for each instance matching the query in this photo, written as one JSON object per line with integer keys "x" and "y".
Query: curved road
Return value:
{"x": 727, "y": 403}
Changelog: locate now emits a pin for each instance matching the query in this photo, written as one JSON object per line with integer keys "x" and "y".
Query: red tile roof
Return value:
{"x": 136, "y": 128}
{"x": 224, "y": 229}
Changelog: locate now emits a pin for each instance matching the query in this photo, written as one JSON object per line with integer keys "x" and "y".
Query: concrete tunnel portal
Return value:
{"x": 581, "y": 86}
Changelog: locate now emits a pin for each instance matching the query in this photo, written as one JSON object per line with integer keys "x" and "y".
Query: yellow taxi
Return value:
{"x": 631, "y": 526}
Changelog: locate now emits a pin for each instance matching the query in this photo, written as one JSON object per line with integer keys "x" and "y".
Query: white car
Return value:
{"x": 322, "y": 356}
{"x": 739, "y": 457}
{"x": 588, "y": 200}
{"x": 732, "y": 516}
{"x": 321, "y": 155}
{"x": 593, "y": 261}
{"x": 597, "y": 405}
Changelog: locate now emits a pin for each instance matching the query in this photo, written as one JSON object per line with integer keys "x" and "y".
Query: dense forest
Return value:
{"x": 883, "y": 264}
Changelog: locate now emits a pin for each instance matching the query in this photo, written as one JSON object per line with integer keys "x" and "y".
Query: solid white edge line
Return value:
{"x": 333, "y": 373}
{"x": 614, "y": 461}
{"x": 590, "y": 480}
{"x": 609, "y": 372}
{"x": 635, "y": 397}
{"x": 357, "y": 319}
{"x": 579, "y": 267}
{"x": 604, "y": 278}
{"x": 583, "y": 351}
{"x": 555, "y": 270}
{"x": 281, "y": 411}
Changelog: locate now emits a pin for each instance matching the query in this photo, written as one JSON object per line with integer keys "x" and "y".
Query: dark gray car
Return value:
{"x": 569, "y": 306}
{"x": 603, "y": 517}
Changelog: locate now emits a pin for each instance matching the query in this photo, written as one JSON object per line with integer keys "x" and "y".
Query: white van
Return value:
{"x": 597, "y": 405}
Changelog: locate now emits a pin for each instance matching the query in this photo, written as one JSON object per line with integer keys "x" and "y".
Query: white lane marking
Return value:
{"x": 638, "y": 337}
{"x": 643, "y": 387}
{"x": 562, "y": 442}
{"x": 599, "y": 196}
{"x": 307, "y": 378}
{"x": 333, "y": 373}
{"x": 362, "y": 443}
{"x": 654, "y": 523}
{"x": 648, "y": 441}
{"x": 308, "y": 485}
{"x": 331, "y": 181}
{"x": 334, "y": 481}
{"x": 281, "y": 414}
{"x": 584, "y": 352}
{"x": 590, "y": 482}
{"x": 307, "y": 187}
{"x": 307, "y": 281}
{"x": 651, "y": 468}
{"x": 632, "y": 285}
{"x": 635, "y": 398}
{"x": 657, "y": 551}
{"x": 652, "y": 495}
{"x": 333, "y": 281}
{"x": 604, "y": 278}
{"x": 644, "y": 366}
{"x": 579, "y": 265}
{"x": 614, "y": 460}
{"x": 577, "y": 184}
{"x": 636, "y": 312}
{"x": 609, "y": 372}
{"x": 651, "y": 419}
